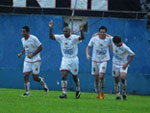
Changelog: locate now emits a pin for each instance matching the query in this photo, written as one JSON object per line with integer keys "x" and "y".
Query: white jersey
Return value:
{"x": 30, "y": 45}
{"x": 121, "y": 53}
{"x": 69, "y": 46}
{"x": 100, "y": 48}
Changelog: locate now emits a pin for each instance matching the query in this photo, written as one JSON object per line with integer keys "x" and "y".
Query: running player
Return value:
{"x": 31, "y": 47}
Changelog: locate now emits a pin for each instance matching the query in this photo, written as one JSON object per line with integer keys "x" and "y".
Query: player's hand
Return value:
{"x": 88, "y": 57}
{"x": 19, "y": 55}
{"x": 51, "y": 24}
{"x": 81, "y": 27}
{"x": 125, "y": 66}
{"x": 30, "y": 56}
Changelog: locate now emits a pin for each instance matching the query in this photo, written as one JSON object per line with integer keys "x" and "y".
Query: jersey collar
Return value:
{"x": 102, "y": 38}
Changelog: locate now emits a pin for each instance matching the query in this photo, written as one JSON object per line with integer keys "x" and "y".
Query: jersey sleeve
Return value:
{"x": 76, "y": 39}
{"x": 37, "y": 42}
{"x": 90, "y": 44}
{"x": 129, "y": 51}
{"x": 58, "y": 38}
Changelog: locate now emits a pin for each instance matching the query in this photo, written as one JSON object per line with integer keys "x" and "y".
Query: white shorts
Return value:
{"x": 117, "y": 69}
{"x": 70, "y": 64}
{"x": 32, "y": 67}
{"x": 98, "y": 67}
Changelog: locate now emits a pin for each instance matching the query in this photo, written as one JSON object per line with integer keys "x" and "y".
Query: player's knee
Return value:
{"x": 35, "y": 78}
{"x": 64, "y": 78}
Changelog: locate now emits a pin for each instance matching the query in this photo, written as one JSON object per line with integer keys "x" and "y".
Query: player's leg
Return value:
{"x": 123, "y": 73}
{"x": 102, "y": 70}
{"x": 26, "y": 71}
{"x": 96, "y": 79}
{"x": 36, "y": 77}
{"x": 64, "y": 74}
{"x": 117, "y": 86}
{"x": 74, "y": 69}
{"x": 116, "y": 75}
{"x": 95, "y": 73}
{"x": 124, "y": 85}
{"x": 64, "y": 68}
{"x": 77, "y": 82}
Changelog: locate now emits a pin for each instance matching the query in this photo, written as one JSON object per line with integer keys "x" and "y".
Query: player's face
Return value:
{"x": 102, "y": 33}
{"x": 66, "y": 32}
{"x": 118, "y": 44}
{"x": 24, "y": 33}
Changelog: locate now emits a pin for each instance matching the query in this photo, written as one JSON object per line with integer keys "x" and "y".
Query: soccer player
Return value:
{"x": 101, "y": 44}
{"x": 120, "y": 65}
{"x": 31, "y": 47}
{"x": 70, "y": 63}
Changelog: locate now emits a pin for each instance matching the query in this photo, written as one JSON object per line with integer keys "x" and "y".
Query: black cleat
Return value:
{"x": 118, "y": 98}
{"x": 46, "y": 90}
{"x": 124, "y": 97}
{"x": 63, "y": 96}
{"x": 26, "y": 94}
{"x": 77, "y": 94}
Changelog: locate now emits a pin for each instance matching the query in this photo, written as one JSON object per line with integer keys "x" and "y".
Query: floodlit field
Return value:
{"x": 11, "y": 101}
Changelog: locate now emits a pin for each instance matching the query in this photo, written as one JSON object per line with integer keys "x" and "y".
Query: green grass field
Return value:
{"x": 38, "y": 102}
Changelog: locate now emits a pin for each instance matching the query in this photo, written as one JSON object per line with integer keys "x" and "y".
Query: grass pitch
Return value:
{"x": 11, "y": 101}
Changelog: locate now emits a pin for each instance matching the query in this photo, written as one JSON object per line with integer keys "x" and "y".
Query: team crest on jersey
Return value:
{"x": 116, "y": 51}
{"x": 101, "y": 44}
{"x": 75, "y": 70}
{"x": 36, "y": 69}
{"x": 103, "y": 67}
{"x": 66, "y": 43}
{"x": 26, "y": 46}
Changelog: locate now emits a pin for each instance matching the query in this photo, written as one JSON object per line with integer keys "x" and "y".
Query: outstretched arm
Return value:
{"x": 82, "y": 33}
{"x": 51, "y": 35}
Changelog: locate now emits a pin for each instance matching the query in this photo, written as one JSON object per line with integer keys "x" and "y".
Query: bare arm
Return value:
{"x": 51, "y": 35}
{"x": 39, "y": 49}
{"x": 130, "y": 59}
{"x": 20, "y": 54}
{"x": 82, "y": 33}
{"x": 111, "y": 48}
{"x": 87, "y": 53}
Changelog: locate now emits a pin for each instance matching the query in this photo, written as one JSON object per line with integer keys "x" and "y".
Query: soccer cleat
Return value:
{"x": 63, "y": 96}
{"x": 102, "y": 95}
{"x": 118, "y": 98}
{"x": 77, "y": 94}
{"x": 46, "y": 90}
{"x": 124, "y": 97}
{"x": 26, "y": 94}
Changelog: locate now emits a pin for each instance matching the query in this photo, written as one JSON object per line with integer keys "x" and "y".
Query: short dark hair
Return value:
{"x": 103, "y": 27}
{"x": 26, "y": 28}
{"x": 117, "y": 39}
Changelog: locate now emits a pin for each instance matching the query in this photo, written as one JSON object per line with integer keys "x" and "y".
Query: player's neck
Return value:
{"x": 67, "y": 36}
{"x": 26, "y": 37}
{"x": 102, "y": 37}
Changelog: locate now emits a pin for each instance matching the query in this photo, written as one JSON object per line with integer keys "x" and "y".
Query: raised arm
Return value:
{"x": 82, "y": 33}
{"x": 51, "y": 35}
{"x": 87, "y": 53}
{"x": 20, "y": 54}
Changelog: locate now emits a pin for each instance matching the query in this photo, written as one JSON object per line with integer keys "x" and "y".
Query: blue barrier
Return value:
{"x": 133, "y": 32}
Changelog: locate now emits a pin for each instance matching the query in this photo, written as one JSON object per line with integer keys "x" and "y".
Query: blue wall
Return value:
{"x": 134, "y": 34}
